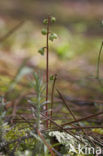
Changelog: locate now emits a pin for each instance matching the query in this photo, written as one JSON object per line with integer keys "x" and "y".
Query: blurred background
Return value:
{"x": 73, "y": 56}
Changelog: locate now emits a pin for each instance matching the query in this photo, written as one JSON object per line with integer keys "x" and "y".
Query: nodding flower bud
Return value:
{"x": 45, "y": 21}
{"x": 52, "y": 77}
{"x": 53, "y": 19}
{"x": 41, "y": 51}
{"x": 44, "y": 31}
{"x": 52, "y": 36}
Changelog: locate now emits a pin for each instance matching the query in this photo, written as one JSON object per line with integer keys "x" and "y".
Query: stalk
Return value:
{"x": 52, "y": 96}
{"x": 47, "y": 67}
{"x": 49, "y": 36}
{"x": 98, "y": 62}
{"x": 38, "y": 110}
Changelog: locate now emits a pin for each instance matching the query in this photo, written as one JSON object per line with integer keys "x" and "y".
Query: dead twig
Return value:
{"x": 44, "y": 141}
{"x": 15, "y": 28}
{"x": 60, "y": 127}
{"x": 83, "y": 119}
{"x": 87, "y": 127}
{"x": 72, "y": 114}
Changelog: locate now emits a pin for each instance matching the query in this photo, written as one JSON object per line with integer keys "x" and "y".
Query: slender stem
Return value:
{"x": 98, "y": 62}
{"x": 38, "y": 110}
{"x": 47, "y": 67}
{"x": 52, "y": 96}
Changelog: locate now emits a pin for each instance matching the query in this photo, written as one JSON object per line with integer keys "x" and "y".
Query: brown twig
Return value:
{"x": 87, "y": 127}
{"x": 44, "y": 141}
{"x": 66, "y": 105}
{"x": 72, "y": 114}
{"x": 60, "y": 127}
{"x": 15, "y": 28}
{"x": 82, "y": 119}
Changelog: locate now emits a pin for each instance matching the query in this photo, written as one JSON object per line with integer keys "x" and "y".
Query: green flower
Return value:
{"x": 53, "y": 19}
{"x": 41, "y": 51}
{"x": 44, "y": 31}
{"x": 45, "y": 21}
{"x": 52, "y": 36}
{"x": 52, "y": 77}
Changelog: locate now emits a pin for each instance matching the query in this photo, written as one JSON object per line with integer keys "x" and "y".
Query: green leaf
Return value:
{"x": 41, "y": 51}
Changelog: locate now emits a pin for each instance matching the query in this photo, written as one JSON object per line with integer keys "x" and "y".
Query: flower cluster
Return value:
{"x": 51, "y": 35}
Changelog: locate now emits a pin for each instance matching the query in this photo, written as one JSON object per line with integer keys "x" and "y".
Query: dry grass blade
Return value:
{"x": 15, "y": 28}
{"x": 72, "y": 114}
{"x": 60, "y": 127}
{"x": 64, "y": 102}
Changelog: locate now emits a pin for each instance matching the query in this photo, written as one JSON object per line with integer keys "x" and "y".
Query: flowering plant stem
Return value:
{"x": 47, "y": 67}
